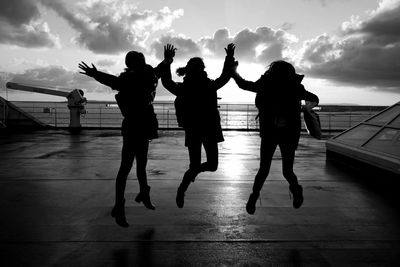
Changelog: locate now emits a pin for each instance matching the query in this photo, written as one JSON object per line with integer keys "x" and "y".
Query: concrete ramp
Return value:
{"x": 12, "y": 116}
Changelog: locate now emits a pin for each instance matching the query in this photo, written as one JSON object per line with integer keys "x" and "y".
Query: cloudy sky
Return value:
{"x": 349, "y": 50}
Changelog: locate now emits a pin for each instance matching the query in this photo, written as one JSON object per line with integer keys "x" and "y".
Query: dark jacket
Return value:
{"x": 136, "y": 92}
{"x": 198, "y": 95}
{"x": 279, "y": 103}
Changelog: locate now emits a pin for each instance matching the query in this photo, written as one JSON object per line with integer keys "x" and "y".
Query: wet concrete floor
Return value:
{"x": 57, "y": 191}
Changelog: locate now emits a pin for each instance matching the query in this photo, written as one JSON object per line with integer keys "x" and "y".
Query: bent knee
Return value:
{"x": 288, "y": 174}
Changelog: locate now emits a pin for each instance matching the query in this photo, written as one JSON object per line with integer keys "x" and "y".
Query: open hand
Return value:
{"x": 169, "y": 52}
{"x": 87, "y": 70}
{"x": 230, "y": 50}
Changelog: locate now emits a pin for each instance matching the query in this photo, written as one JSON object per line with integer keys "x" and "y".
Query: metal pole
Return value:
{"x": 168, "y": 119}
{"x": 329, "y": 121}
{"x": 55, "y": 116}
{"x": 100, "y": 115}
{"x": 350, "y": 117}
{"x": 226, "y": 117}
{"x": 247, "y": 116}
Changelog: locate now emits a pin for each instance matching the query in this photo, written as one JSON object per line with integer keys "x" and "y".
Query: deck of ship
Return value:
{"x": 57, "y": 191}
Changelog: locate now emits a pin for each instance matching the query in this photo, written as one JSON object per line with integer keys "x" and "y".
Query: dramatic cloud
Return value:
{"x": 18, "y": 12}
{"x": 58, "y": 77}
{"x": 186, "y": 47}
{"x": 367, "y": 53}
{"x": 262, "y": 45}
{"x": 110, "y": 27}
{"x": 21, "y": 25}
{"x": 106, "y": 62}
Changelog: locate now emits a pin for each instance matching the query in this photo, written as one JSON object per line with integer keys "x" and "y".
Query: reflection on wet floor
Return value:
{"x": 57, "y": 191}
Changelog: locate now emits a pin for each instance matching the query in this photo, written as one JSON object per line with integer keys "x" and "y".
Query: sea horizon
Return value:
{"x": 171, "y": 100}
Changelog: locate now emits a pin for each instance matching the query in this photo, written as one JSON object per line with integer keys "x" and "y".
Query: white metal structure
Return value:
{"x": 76, "y": 101}
{"x": 375, "y": 141}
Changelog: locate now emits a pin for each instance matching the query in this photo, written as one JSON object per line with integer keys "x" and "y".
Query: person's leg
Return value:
{"x": 127, "y": 157}
{"x": 288, "y": 155}
{"x": 194, "y": 166}
{"x": 211, "y": 164}
{"x": 142, "y": 148}
{"x": 267, "y": 149}
{"x": 189, "y": 176}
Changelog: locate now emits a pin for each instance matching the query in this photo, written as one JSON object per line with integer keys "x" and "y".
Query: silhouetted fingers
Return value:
{"x": 169, "y": 51}
{"x": 171, "y": 48}
{"x": 84, "y": 64}
{"x": 231, "y": 47}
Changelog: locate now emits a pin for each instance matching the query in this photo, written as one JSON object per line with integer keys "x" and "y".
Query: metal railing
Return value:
{"x": 233, "y": 116}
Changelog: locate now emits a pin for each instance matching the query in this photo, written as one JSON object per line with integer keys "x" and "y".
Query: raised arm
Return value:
{"x": 244, "y": 84}
{"x": 166, "y": 77}
{"x": 229, "y": 65}
{"x": 102, "y": 77}
{"x": 311, "y": 99}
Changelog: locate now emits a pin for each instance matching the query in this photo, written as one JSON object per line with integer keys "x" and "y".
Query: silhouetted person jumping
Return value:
{"x": 279, "y": 94}
{"x": 136, "y": 88}
{"x": 197, "y": 112}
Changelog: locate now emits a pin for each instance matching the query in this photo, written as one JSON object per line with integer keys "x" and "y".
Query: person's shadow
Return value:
{"x": 141, "y": 254}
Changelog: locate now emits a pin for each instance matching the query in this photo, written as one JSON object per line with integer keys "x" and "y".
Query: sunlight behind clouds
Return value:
{"x": 359, "y": 49}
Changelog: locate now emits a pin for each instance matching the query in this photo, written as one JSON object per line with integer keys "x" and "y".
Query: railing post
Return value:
{"x": 247, "y": 116}
{"x": 329, "y": 121}
{"x": 226, "y": 116}
{"x": 168, "y": 119}
{"x": 350, "y": 117}
{"x": 163, "y": 113}
{"x": 100, "y": 115}
{"x": 55, "y": 117}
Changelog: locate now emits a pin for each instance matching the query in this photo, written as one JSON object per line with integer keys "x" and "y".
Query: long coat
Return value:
{"x": 199, "y": 107}
{"x": 279, "y": 105}
{"x": 136, "y": 92}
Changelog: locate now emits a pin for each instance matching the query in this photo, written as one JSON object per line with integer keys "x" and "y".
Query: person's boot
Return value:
{"x": 118, "y": 212}
{"x": 144, "y": 197}
{"x": 251, "y": 203}
{"x": 180, "y": 198}
{"x": 297, "y": 191}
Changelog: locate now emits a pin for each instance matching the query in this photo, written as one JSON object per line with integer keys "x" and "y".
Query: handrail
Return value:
{"x": 233, "y": 116}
